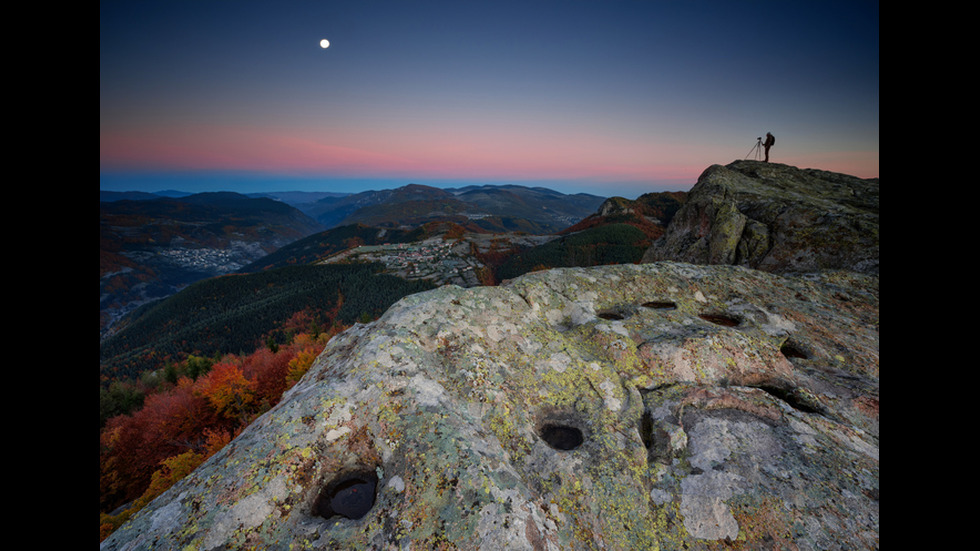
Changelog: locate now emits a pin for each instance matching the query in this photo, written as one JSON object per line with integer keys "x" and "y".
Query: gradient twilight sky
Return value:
{"x": 612, "y": 97}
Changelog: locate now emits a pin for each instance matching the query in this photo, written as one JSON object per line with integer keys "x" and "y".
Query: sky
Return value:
{"x": 611, "y": 97}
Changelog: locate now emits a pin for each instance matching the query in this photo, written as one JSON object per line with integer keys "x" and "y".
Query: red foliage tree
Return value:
{"x": 132, "y": 446}
{"x": 267, "y": 370}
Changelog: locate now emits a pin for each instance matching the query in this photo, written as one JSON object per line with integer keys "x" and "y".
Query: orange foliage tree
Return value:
{"x": 227, "y": 390}
{"x": 301, "y": 363}
{"x": 143, "y": 453}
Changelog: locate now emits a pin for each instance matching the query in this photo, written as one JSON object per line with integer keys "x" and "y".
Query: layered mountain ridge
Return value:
{"x": 490, "y": 208}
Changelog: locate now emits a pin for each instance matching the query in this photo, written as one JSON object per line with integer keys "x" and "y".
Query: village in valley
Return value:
{"x": 443, "y": 261}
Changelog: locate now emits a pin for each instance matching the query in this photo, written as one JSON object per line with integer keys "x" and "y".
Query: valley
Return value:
{"x": 152, "y": 246}
{"x": 180, "y": 275}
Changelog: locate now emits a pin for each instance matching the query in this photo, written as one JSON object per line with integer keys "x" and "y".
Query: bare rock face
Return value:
{"x": 656, "y": 406}
{"x": 776, "y": 218}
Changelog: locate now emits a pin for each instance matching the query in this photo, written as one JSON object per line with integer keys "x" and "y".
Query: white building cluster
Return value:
{"x": 442, "y": 261}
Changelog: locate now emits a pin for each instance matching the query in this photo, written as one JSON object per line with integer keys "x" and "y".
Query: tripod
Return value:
{"x": 756, "y": 149}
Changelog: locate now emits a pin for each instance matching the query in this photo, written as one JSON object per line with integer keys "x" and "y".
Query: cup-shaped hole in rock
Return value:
{"x": 611, "y": 315}
{"x": 792, "y": 350}
{"x": 351, "y": 495}
{"x": 646, "y": 429}
{"x": 561, "y": 437}
{"x": 655, "y": 439}
{"x": 660, "y": 305}
{"x": 721, "y": 319}
{"x": 796, "y": 398}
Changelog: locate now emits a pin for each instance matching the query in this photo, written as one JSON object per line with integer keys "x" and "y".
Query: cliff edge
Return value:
{"x": 776, "y": 218}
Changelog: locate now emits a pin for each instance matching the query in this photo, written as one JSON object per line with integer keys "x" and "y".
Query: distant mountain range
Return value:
{"x": 487, "y": 208}
{"x": 479, "y": 208}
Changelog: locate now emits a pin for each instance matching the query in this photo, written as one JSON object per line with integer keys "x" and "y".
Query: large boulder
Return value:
{"x": 776, "y": 218}
{"x": 656, "y": 406}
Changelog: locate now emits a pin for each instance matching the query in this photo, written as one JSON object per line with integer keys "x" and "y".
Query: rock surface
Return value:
{"x": 776, "y": 218}
{"x": 654, "y": 406}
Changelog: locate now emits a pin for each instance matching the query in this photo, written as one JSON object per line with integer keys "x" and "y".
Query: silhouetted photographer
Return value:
{"x": 770, "y": 140}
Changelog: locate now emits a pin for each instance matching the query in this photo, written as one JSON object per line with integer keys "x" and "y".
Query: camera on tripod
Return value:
{"x": 756, "y": 150}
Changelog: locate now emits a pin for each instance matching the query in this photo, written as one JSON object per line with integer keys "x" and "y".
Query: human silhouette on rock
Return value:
{"x": 770, "y": 140}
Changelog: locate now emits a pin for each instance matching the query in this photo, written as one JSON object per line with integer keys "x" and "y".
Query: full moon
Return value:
{"x": 324, "y": 43}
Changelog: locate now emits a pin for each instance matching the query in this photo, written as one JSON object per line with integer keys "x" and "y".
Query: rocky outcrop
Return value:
{"x": 655, "y": 406}
{"x": 650, "y": 213}
{"x": 776, "y": 218}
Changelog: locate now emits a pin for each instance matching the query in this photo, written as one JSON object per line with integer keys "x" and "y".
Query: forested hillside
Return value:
{"x": 235, "y": 313}
{"x": 610, "y": 244}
